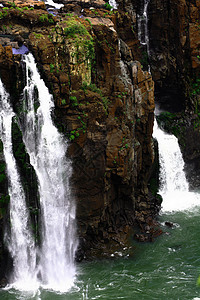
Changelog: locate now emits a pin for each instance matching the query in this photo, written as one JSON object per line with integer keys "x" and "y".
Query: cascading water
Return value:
{"x": 53, "y": 4}
{"x": 47, "y": 151}
{"x": 143, "y": 34}
{"x": 174, "y": 187}
{"x": 113, "y": 3}
{"x": 142, "y": 20}
{"x": 20, "y": 241}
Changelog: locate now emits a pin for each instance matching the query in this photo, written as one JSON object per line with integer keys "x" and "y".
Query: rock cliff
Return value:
{"x": 174, "y": 30}
{"x": 104, "y": 107}
{"x": 93, "y": 64}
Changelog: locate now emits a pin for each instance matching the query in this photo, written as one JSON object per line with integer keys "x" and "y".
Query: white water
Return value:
{"x": 19, "y": 239}
{"x": 143, "y": 34}
{"x": 143, "y": 26}
{"x": 47, "y": 148}
{"x": 53, "y": 4}
{"x": 113, "y": 3}
{"x": 174, "y": 187}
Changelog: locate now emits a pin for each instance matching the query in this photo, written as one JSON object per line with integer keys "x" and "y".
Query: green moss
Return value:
{"x": 46, "y": 18}
{"x": 73, "y": 100}
{"x": 3, "y": 14}
{"x": 92, "y": 87}
{"x": 108, "y": 6}
{"x": 77, "y": 33}
{"x": 38, "y": 35}
{"x": 195, "y": 87}
{"x": 63, "y": 102}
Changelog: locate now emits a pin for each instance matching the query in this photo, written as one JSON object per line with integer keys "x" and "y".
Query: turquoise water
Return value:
{"x": 165, "y": 269}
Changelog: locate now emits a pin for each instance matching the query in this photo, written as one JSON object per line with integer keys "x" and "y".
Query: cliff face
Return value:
{"x": 104, "y": 103}
{"x": 175, "y": 65}
{"x": 104, "y": 107}
{"x": 174, "y": 50}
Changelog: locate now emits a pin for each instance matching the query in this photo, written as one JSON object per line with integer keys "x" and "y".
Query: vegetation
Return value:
{"x": 108, "y": 6}
{"x": 83, "y": 42}
{"x": 44, "y": 18}
{"x": 92, "y": 87}
{"x": 195, "y": 87}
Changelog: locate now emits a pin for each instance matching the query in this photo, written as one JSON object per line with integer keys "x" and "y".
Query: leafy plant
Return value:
{"x": 52, "y": 68}
{"x": 196, "y": 87}
{"x": 74, "y": 100}
{"x": 108, "y": 6}
{"x": 82, "y": 40}
{"x": 63, "y": 102}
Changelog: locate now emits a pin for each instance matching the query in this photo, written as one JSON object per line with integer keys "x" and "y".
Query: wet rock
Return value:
{"x": 169, "y": 224}
{"x": 3, "y": 282}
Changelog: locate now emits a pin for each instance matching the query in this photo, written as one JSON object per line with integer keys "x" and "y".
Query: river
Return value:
{"x": 166, "y": 269}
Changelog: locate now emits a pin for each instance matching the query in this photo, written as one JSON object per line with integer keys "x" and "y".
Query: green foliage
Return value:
{"x": 195, "y": 87}
{"x": 108, "y": 6}
{"x": 73, "y": 134}
{"x": 167, "y": 115}
{"x": 198, "y": 281}
{"x": 92, "y": 87}
{"x": 38, "y": 35}
{"x": 3, "y": 14}
{"x": 52, "y": 68}
{"x": 12, "y": 4}
{"x": 44, "y": 18}
{"x": 19, "y": 9}
{"x": 83, "y": 41}
{"x": 75, "y": 28}
{"x": 63, "y": 102}
{"x": 69, "y": 15}
{"x": 88, "y": 21}
{"x": 73, "y": 100}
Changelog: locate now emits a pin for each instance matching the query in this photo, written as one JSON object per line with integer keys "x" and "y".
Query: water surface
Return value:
{"x": 165, "y": 269}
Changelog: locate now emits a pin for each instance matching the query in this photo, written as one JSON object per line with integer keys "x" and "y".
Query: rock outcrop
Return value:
{"x": 104, "y": 107}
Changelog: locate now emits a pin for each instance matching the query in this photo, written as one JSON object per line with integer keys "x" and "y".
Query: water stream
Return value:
{"x": 142, "y": 20}
{"x": 19, "y": 239}
{"x": 47, "y": 151}
{"x": 174, "y": 187}
{"x": 113, "y": 3}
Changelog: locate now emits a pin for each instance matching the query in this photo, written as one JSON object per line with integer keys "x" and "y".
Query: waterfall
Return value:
{"x": 143, "y": 34}
{"x": 19, "y": 239}
{"x": 53, "y": 4}
{"x": 47, "y": 151}
{"x": 143, "y": 26}
{"x": 113, "y": 3}
{"x": 174, "y": 187}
